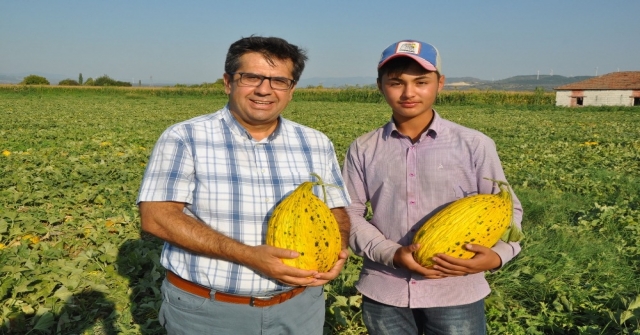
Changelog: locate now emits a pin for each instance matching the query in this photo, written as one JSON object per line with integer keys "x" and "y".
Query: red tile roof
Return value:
{"x": 629, "y": 80}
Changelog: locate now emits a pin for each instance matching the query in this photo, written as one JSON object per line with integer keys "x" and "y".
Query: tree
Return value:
{"x": 107, "y": 81}
{"x": 89, "y": 82}
{"x": 68, "y": 82}
{"x": 80, "y": 79}
{"x": 219, "y": 82}
{"x": 34, "y": 80}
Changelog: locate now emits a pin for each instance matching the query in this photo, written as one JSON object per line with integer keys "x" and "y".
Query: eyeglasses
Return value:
{"x": 255, "y": 80}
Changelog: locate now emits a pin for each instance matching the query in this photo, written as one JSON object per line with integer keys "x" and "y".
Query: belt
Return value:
{"x": 205, "y": 292}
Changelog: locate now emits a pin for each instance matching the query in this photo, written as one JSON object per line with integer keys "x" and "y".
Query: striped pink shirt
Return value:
{"x": 406, "y": 184}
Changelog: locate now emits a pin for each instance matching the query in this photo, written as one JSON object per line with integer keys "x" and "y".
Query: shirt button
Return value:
{"x": 411, "y": 175}
{"x": 412, "y": 202}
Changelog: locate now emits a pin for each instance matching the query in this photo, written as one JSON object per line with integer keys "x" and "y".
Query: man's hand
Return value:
{"x": 325, "y": 277}
{"x": 167, "y": 221}
{"x": 403, "y": 258}
{"x": 267, "y": 260}
{"x": 484, "y": 259}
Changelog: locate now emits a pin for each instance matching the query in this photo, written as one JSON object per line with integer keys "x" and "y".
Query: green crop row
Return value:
{"x": 73, "y": 259}
{"x": 364, "y": 94}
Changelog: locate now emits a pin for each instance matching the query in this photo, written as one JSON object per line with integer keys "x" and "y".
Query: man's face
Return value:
{"x": 257, "y": 108}
{"x": 411, "y": 93}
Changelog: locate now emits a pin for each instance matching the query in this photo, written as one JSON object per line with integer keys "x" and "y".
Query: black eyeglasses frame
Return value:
{"x": 291, "y": 82}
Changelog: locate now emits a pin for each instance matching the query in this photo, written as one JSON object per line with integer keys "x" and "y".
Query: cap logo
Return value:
{"x": 408, "y": 47}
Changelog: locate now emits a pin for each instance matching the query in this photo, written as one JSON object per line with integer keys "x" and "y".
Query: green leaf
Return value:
{"x": 23, "y": 286}
{"x": 44, "y": 322}
{"x": 355, "y": 300}
{"x": 340, "y": 301}
{"x": 63, "y": 293}
{"x": 72, "y": 281}
{"x": 512, "y": 234}
{"x": 624, "y": 316}
{"x": 3, "y": 226}
{"x": 635, "y": 304}
{"x": 100, "y": 288}
{"x": 539, "y": 278}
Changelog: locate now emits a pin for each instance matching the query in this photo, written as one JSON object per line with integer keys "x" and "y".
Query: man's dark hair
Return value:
{"x": 270, "y": 48}
{"x": 398, "y": 66}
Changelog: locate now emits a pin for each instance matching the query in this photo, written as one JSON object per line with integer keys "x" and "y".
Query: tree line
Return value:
{"x": 100, "y": 81}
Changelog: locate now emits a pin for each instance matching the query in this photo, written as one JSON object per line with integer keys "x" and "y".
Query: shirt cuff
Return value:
{"x": 506, "y": 251}
{"x": 385, "y": 251}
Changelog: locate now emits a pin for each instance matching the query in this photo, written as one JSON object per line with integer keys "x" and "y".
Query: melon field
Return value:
{"x": 74, "y": 261}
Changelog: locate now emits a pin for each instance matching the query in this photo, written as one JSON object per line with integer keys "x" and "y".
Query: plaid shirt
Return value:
{"x": 232, "y": 183}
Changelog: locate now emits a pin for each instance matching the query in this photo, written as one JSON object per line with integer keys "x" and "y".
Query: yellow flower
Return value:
{"x": 6, "y": 153}
{"x": 589, "y": 144}
{"x": 32, "y": 238}
{"x": 2, "y": 246}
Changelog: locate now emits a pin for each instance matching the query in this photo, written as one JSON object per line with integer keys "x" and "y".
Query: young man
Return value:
{"x": 408, "y": 170}
{"x": 211, "y": 185}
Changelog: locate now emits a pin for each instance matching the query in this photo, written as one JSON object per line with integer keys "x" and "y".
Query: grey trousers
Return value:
{"x": 185, "y": 313}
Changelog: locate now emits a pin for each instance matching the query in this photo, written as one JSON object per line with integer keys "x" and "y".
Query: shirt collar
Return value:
{"x": 435, "y": 127}
{"x": 237, "y": 128}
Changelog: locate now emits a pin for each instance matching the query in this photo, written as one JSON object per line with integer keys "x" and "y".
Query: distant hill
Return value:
{"x": 337, "y": 81}
{"x": 9, "y": 79}
{"x": 516, "y": 83}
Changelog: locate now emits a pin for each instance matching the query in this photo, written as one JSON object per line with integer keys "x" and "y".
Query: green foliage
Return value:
{"x": 530, "y": 100}
{"x": 80, "y": 79}
{"x": 218, "y": 84}
{"x": 34, "y": 80}
{"x": 68, "y": 82}
{"x": 73, "y": 260}
{"x": 107, "y": 81}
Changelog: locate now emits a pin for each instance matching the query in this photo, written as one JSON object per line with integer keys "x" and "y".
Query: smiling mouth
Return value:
{"x": 261, "y": 102}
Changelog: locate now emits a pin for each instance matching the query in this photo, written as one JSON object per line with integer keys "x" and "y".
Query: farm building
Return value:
{"x": 613, "y": 89}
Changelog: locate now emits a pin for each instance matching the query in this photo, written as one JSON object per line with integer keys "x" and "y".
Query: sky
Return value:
{"x": 186, "y": 41}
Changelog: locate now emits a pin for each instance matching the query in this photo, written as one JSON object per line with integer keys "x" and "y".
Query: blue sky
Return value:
{"x": 186, "y": 41}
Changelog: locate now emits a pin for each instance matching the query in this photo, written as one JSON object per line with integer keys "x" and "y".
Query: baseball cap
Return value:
{"x": 424, "y": 53}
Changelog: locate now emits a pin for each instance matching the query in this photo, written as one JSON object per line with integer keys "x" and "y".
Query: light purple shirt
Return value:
{"x": 406, "y": 183}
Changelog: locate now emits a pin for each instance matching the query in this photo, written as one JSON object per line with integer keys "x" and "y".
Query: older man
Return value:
{"x": 210, "y": 187}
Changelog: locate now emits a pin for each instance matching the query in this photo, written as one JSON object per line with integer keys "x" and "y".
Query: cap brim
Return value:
{"x": 425, "y": 64}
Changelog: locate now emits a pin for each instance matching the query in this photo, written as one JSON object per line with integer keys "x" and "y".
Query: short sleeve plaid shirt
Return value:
{"x": 232, "y": 183}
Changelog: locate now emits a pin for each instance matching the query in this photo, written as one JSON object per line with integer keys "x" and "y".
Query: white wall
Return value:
{"x": 597, "y": 98}
{"x": 563, "y": 98}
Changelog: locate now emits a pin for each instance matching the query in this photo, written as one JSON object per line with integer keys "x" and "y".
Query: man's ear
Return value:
{"x": 227, "y": 82}
{"x": 441, "y": 82}
{"x": 291, "y": 91}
